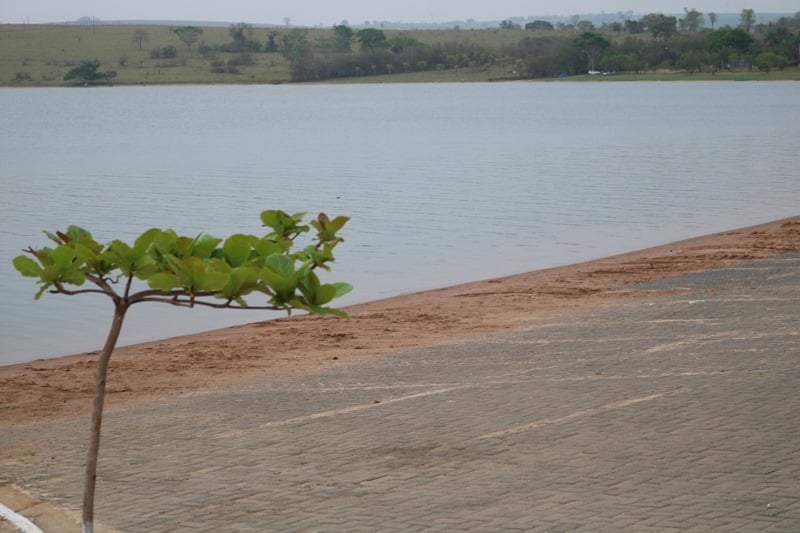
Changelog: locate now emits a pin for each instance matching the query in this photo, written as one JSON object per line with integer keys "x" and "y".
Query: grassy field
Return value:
{"x": 40, "y": 56}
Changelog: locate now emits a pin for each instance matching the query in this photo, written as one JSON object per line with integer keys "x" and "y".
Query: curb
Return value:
{"x": 16, "y": 519}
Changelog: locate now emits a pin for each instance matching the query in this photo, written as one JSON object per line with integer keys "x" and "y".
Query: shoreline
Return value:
{"x": 737, "y": 77}
{"x": 61, "y": 387}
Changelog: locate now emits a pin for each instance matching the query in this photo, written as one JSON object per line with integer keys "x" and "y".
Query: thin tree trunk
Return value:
{"x": 97, "y": 417}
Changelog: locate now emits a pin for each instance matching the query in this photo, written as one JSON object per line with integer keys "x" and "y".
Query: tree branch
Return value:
{"x": 103, "y": 284}
{"x": 128, "y": 287}
{"x": 61, "y": 290}
{"x": 162, "y": 296}
{"x": 177, "y": 302}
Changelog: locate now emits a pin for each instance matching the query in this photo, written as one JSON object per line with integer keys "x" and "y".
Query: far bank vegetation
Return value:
{"x": 687, "y": 46}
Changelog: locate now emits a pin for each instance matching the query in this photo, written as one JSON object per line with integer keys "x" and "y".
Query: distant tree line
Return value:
{"x": 655, "y": 41}
{"x": 658, "y": 41}
{"x": 374, "y": 53}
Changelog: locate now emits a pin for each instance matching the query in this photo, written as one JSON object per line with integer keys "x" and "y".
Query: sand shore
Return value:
{"x": 62, "y": 387}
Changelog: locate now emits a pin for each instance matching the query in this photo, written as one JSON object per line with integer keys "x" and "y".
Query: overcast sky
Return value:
{"x": 328, "y": 12}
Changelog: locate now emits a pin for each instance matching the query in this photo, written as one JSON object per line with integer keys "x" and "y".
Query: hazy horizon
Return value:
{"x": 317, "y": 12}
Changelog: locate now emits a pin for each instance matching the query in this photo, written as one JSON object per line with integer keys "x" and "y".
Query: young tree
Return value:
{"x": 343, "y": 36}
{"x": 693, "y": 20}
{"x": 372, "y": 39}
{"x": 691, "y": 60}
{"x": 592, "y": 45}
{"x": 188, "y": 35}
{"x": 88, "y": 73}
{"x": 186, "y": 272}
{"x": 401, "y": 42}
{"x": 725, "y": 43}
{"x": 272, "y": 43}
{"x": 766, "y": 61}
{"x": 634, "y": 26}
{"x": 781, "y": 41}
{"x": 661, "y": 26}
{"x": 139, "y": 37}
{"x": 296, "y": 46}
{"x": 242, "y": 37}
{"x": 747, "y": 19}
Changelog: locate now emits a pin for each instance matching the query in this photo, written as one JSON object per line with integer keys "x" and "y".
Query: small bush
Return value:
{"x": 241, "y": 60}
{"x": 167, "y": 52}
{"x": 222, "y": 67}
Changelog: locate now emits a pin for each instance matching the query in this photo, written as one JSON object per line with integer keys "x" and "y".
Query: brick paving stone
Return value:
{"x": 662, "y": 413}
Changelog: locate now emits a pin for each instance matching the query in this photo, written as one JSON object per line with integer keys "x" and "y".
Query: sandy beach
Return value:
{"x": 62, "y": 387}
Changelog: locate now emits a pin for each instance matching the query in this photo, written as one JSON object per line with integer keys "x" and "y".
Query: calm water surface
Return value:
{"x": 444, "y": 183}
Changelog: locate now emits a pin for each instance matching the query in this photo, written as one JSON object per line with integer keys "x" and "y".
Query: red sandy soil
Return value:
{"x": 62, "y": 387}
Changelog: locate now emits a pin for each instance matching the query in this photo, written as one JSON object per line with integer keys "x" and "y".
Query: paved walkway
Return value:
{"x": 677, "y": 412}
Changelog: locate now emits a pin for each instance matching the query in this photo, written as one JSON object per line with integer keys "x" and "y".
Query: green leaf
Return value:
{"x": 175, "y": 264}
{"x": 42, "y": 290}
{"x": 196, "y": 275}
{"x": 274, "y": 218}
{"x": 84, "y": 253}
{"x": 143, "y": 241}
{"x": 76, "y": 233}
{"x": 325, "y": 294}
{"x": 282, "y": 224}
{"x": 211, "y": 281}
{"x": 309, "y": 285}
{"x": 123, "y": 255}
{"x": 219, "y": 265}
{"x": 327, "y": 228}
{"x": 242, "y": 281}
{"x": 164, "y": 282}
{"x": 337, "y": 313}
{"x": 63, "y": 255}
{"x": 336, "y": 224}
{"x": 144, "y": 267}
{"x": 193, "y": 271}
{"x": 27, "y": 266}
{"x": 72, "y": 276}
{"x": 237, "y": 249}
{"x": 53, "y": 237}
{"x": 281, "y": 264}
{"x": 166, "y": 241}
{"x": 121, "y": 249}
{"x": 204, "y": 245}
{"x": 283, "y": 287}
{"x": 50, "y": 273}
{"x": 342, "y": 288}
{"x": 183, "y": 246}
{"x": 320, "y": 256}
{"x": 265, "y": 247}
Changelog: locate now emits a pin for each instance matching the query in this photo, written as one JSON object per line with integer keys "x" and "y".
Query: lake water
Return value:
{"x": 445, "y": 183}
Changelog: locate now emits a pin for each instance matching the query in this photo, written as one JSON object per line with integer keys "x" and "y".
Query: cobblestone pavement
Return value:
{"x": 679, "y": 410}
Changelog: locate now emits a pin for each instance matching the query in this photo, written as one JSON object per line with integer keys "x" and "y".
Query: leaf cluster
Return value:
{"x": 201, "y": 270}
